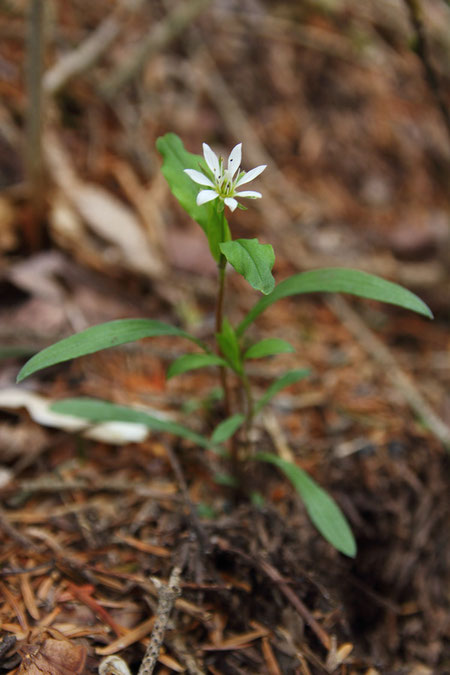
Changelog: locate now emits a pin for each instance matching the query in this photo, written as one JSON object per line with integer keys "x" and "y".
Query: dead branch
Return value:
{"x": 91, "y": 50}
{"x": 33, "y": 148}
{"x": 167, "y": 596}
{"x": 275, "y": 576}
{"x": 14, "y": 534}
{"x": 166, "y": 31}
{"x": 81, "y": 59}
{"x": 49, "y": 485}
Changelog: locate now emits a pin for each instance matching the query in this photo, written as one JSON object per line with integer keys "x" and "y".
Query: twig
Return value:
{"x": 178, "y": 644}
{"x": 150, "y": 587}
{"x": 49, "y": 485}
{"x": 276, "y": 577}
{"x": 304, "y": 612}
{"x": 14, "y": 534}
{"x": 416, "y": 18}
{"x": 37, "y": 569}
{"x": 33, "y": 152}
{"x": 168, "y": 29}
{"x": 91, "y": 50}
{"x": 278, "y": 437}
{"x": 84, "y": 56}
{"x": 167, "y": 596}
{"x": 387, "y": 361}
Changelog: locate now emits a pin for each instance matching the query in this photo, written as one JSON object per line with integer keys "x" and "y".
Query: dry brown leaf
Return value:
{"x": 134, "y": 635}
{"x": 125, "y": 243}
{"x": 113, "y": 665}
{"x": 52, "y": 657}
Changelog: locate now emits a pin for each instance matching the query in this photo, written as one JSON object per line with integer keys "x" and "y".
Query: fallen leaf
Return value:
{"x": 123, "y": 240}
{"x": 38, "y": 407}
{"x": 52, "y": 657}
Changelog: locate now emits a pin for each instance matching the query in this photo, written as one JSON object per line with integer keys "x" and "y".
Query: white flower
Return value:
{"x": 225, "y": 181}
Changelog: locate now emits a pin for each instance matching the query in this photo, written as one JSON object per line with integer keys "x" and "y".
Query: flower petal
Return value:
{"x": 198, "y": 177}
{"x": 234, "y": 160}
{"x": 211, "y": 160}
{"x": 249, "y": 193}
{"x": 231, "y": 203}
{"x": 206, "y": 196}
{"x": 250, "y": 175}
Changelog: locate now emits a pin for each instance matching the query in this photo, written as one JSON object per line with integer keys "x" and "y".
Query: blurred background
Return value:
{"x": 347, "y": 102}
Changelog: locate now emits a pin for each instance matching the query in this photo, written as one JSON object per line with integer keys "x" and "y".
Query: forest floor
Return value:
{"x": 334, "y": 100}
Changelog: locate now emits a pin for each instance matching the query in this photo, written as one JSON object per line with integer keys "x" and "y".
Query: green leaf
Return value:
{"x": 268, "y": 347}
{"x": 176, "y": 159}
{"x": 96, "y": 338}
{"x": 254, "y": 261}
{"x": 339, "y": 280}
{"x": 229, "y": 346}
{"x": 322, "y": 509}
{"x": 257, "y": 500}
{"x": 205, "y": 511}
{"x": 193, "y": 361}
{"x": 226, "y": 429}
{"x": 93, "y": 410}
{"x": 226, "y": 479}
{"x": 284, "y": 381}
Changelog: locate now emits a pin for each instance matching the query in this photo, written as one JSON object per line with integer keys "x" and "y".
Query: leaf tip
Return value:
{"x": 24, "y": 372}
{"x": 428, "y": 313}
{"x": 268, "y": 288}
{"x": 350, "y": 550}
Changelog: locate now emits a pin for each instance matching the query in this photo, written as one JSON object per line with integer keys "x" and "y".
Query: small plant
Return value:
{"x": 204, "y": 187}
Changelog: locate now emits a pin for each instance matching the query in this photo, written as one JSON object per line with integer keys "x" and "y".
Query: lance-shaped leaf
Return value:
{"x": 96, "y": 338}
{"x": 192, "y": 362}
{"x": 322, "y": 509}
{"x": 285, "y": 380}
{"x": 339, "y": 280}
{"x": 227, "y": 428}
{"x": 94, "y": 410}
{"x": 176, "y": 159}
{"x": 252, "y": 260}
{"x": 268, "y": 347}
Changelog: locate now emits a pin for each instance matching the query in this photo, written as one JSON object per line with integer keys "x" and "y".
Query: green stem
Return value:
{"x": 249, "y": 413}
{"x": 249, "y": 401}
{"x": 219, "y": 320}
{"x": 234, "y": 448}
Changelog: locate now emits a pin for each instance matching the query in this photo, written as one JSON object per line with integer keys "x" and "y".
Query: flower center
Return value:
{"x": 225, "y": 185}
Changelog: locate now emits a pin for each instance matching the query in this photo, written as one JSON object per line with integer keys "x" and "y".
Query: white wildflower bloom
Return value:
{"x": 224, "y": 182}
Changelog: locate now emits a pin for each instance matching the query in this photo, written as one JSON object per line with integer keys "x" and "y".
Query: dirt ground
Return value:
{"x": 347, "y": 104}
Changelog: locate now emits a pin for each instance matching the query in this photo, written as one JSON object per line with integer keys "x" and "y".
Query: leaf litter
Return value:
{"x": 91, "y": 530}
